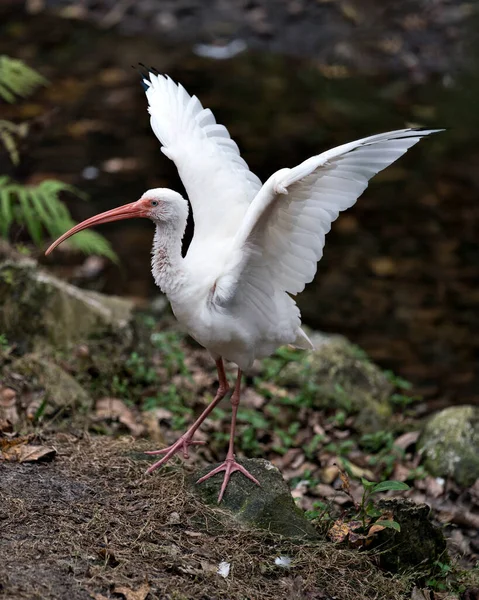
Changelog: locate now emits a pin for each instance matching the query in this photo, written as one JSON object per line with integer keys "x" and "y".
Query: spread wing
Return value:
{"x": 282, "y": 235}
{"x": 218, "y": 182}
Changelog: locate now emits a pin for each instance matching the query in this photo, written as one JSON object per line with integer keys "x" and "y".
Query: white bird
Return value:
{"x": 254, "y": 246}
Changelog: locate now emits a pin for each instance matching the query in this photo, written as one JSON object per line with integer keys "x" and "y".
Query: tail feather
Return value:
{"x": 302, "y": 341}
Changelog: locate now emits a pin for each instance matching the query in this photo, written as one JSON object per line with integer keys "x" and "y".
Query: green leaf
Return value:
{"x": 39, "y": 207}
{"x": 386, "y": 486}
{"x": 6, "y": 210}
{"x": 367, "y": 484}
{"x": 29, "y": 218}
{"x": 389, "y": 524}
{"x": 372, "y": 511}
{"x": 17, "y": 79}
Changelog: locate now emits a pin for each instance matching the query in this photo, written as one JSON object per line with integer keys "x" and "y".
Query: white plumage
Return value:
{"x": 254, "y": 246}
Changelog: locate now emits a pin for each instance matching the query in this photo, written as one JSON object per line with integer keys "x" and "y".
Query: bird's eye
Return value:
{"x": 154, "y": 203}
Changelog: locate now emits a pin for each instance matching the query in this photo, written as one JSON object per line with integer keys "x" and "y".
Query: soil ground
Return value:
{"x": 88, "y": 524}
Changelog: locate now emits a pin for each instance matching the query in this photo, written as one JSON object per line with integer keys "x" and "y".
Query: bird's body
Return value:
{"x": 254, "y": 246}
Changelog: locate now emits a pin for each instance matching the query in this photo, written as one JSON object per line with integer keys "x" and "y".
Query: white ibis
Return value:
{"x": 254, "y": 246}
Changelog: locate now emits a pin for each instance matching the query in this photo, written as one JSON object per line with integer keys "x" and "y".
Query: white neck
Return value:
{"x": 167, "y": 262}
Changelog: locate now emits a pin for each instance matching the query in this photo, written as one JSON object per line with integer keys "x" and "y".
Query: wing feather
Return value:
{"x": 284, "y": 229}
{"x": 218, "y": 182}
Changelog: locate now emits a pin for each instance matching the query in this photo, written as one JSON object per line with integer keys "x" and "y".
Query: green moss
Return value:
{"x": 450, "y": 444}
{"x": 40, "y": 310}
{"x": 344, "y": 379}
{"x": 419, "y": 544}
{"x": 269, "y": 507}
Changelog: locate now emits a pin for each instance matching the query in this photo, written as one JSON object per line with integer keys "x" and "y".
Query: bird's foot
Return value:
{"x": 181, "y": 445}
{"x": 229, "y": 467}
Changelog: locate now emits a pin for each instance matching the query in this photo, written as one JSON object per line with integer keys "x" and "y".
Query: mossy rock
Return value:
{"x": 450, "y": 444}
{"x": 270, "y": 507}
{"x": 345, "y": 379}
{"x": 39, "y": 309}
{"x": 35, "y": 373}
{"x": 419, "y": 543}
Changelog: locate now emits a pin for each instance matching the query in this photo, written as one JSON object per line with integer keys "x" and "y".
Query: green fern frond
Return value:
{"x": 10, "y": 134}
{"x": 17, "y": 79}
{"x": 39, "y": 208}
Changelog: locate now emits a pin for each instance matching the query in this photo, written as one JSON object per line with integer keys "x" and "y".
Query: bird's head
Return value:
{"x": 161, "y": 205}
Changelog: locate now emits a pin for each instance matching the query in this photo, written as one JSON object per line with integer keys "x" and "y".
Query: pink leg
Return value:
{"x": 185, "y": 440}
{"x": 230, "y": 465}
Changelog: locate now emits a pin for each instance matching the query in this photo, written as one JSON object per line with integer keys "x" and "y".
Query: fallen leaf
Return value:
{"x": 329, "y": 474}
{"x": 114, "y": 408}
{"x": 346, "y": 486}
{"x": 339, "y": 531}
{"x": 140, "y": 594}
{"x": 407, "y": 439}
{"x": 375, "y": 529}
{"x": 19, "y": 450}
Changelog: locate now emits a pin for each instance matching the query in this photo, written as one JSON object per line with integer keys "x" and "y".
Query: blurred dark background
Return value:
{"x": 291, "y": 78}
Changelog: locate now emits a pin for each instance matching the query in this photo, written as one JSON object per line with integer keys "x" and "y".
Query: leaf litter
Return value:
{"x": 106, "y": 527}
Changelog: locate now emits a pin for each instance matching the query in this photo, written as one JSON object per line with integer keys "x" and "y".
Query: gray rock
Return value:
{"x": 36, "y": 373}
{"x": 345, "y": 378}
{"x": 269, "y": 507}
{"x": 39, "y": 309}
{"x": 450, "y": 444}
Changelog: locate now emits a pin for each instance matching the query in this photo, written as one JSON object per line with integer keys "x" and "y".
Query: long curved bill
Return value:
{"x": 128, "y": 211}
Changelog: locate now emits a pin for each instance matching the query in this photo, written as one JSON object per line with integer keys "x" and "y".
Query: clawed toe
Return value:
{"x": 229, "y": 467}
{"x": 181, "y": 445}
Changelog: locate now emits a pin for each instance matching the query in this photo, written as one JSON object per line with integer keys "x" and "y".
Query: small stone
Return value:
{"x": 7, "y": 396}
{"x": 269, "y": 507}
{"x": 449, "y": 444}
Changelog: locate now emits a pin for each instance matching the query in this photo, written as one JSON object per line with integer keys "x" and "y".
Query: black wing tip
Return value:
{"x": 145, "y": 73}
{"x": 429, "y": 129}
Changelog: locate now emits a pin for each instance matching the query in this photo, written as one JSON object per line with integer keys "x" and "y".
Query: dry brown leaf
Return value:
{"x": 326, "y": 491}
{"x": 434, "y": 486}
{"x": 114, "y": 408}
{"x": 339, "y": 531}
{"x": 359, "y": 472}
{"x": 140, "y": 594}
{"x": 407, "y": 439}
{"x": 329, "y": 474}
{"x": 375, "y": 529}
{"x": 346, "y": 486}
{"x": 19, "y": 450}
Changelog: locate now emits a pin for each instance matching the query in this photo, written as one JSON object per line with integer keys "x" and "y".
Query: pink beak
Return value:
{"x": 127, "y": 211}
